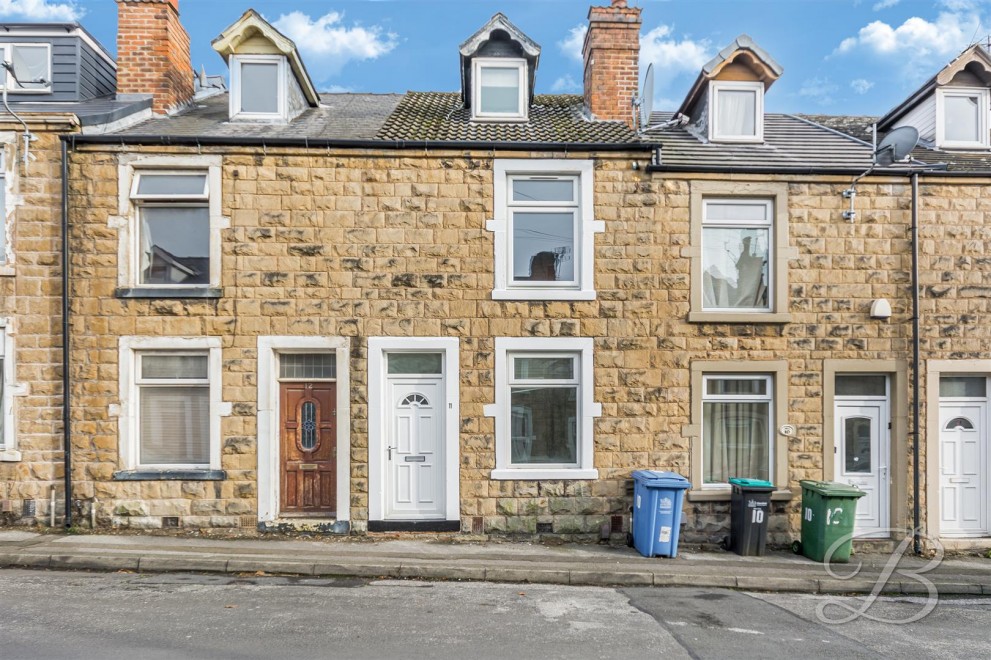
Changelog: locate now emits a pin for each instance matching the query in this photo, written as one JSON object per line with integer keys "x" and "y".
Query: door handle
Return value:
{"x": 389, "y": 449}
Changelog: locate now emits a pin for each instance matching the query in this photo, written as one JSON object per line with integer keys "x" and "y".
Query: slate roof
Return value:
{"x": 340, "y": 116}
{"x": 553, "y": 118}
{"x": 790, "y": 144}
{"x": 978, "y": 162}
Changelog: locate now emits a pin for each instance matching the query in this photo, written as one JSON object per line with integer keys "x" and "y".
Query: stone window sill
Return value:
{"x": 7, "y": 270}
{"x": 10, "y": 456}
{"x": 543, "y": 294}
{"x": 161, "y": 293}
{"x": 525, "y": 474}
{"x": 724, "y": 495}
{"x": 738, "y": 317}
{"x": 170, "y": 475}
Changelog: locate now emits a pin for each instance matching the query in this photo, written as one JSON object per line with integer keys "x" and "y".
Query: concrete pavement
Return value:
{"x": 458, "y": 559}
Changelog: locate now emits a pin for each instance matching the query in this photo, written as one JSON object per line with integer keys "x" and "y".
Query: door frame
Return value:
{"x": 269, "y": 431}
{"x": 884, "y": 450}
{"x": 898, "y": 443}
{"x": 935, "y": 369}
{"x": 378, "y": 411}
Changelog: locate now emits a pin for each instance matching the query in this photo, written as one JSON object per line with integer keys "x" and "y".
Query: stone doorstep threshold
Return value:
{"x": 313, "y": 525}
{"x": 532, "y": 575}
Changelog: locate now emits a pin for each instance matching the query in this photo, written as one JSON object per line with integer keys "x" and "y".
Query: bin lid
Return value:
{"x": 832, "y": 488}
{"x": 752, "y": 484}
{"x": 656, "y": 479}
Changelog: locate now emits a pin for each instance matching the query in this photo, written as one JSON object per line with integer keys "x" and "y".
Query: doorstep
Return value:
{"x": 313, "y": 525}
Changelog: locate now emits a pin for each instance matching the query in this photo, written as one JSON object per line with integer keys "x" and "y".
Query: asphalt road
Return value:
{"x": 47, "y": 614}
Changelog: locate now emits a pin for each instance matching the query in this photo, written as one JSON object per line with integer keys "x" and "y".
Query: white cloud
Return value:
{"x": 820, "y": 90}
{"x": 919, "y": 45}
{"x": 861, "y": 86}
{"x": 885, "y": 4}
{"x": 670, "y": 56}
{"x": 41, "y": 10}
{"x": 329, "y": 44}
{"x": 572, "y": 44}
{"x": 566, "y": 84}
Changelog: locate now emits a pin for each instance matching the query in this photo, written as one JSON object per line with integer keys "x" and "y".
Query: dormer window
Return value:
{"x": 736, "y": 111}
{"x": 961, "y": 118}
{"x": 500, "y": 89}
{"x": 32, "y": 64}
{"x": 258, "y": 87}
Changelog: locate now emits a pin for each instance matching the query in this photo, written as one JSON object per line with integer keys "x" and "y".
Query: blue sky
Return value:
{"x": 839, "y": 56}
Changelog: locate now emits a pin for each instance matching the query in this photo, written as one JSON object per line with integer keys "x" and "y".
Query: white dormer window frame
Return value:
{"x": 7, "y": 78}
{"x": 983, "y": 97}
{"x": 718, "y": 133}
{"x": 236, "y": 112}
{"x": 518, "y": 65}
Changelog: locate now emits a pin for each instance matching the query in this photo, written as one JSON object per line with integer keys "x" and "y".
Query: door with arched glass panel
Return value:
{"x": 963, "y": 456}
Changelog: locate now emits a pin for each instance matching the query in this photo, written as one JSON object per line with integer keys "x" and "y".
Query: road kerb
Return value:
{"x": 612, "y": 578}
{"x": 533, "y": 575}
{"x": 92, "y": 563}
{"x": 269, "y": 566}
{"x": 803, "y": 585}
{"x": 158, "y": 564}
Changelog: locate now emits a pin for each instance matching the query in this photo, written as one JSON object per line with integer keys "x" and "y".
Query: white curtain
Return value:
{"x": 736, "y": 112}
{"x": 736, "y": 441}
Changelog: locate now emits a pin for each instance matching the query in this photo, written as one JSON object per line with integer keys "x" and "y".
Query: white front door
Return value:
{"x": 963, "y": 464}
{"x": 415, "y": 448}
{"x": 861, "y": 459}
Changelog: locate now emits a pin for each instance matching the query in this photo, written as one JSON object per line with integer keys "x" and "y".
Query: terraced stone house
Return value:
{"x": 479, "y": 311}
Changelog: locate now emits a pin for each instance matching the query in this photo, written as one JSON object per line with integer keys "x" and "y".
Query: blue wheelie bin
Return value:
{"x": 657, "y": 498}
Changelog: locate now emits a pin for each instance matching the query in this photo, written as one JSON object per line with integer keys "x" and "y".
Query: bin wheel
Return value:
{"x": 724, "y": 543}
{"x": 629, "y": 540}
{"x": 796, "y": 547}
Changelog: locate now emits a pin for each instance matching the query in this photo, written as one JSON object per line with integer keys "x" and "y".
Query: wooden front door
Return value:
{"x": 309, "y": 448}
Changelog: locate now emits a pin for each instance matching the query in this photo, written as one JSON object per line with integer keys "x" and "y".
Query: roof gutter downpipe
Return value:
{"x": 916, "y": 509}
{"x": 66, "y": 414}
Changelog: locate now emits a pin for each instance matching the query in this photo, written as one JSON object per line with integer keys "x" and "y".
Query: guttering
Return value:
{"x": 730, "y": 169}
{"x": 916, "y": 404}
{"x": 66, "y": 416}
{"x": 323, "y": 143}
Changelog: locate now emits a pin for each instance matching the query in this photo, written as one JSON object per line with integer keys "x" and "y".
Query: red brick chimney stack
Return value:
{"x": 153, "y": 53}
{"x": 611, "y": 54}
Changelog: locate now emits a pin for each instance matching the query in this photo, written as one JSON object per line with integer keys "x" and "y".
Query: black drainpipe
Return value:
{"x": 916, "y": 509}
{"x": 66, "y": 416}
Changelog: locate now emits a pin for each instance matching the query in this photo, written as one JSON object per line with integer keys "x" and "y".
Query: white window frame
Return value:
{"x": 129, "y": 422}
{"x": 236, "y": 114}
{"x": 768, "y": 397}
{"x": 506, "y": 349}
{"x": 983, "y": 102}
{"x": 8, "y": 78}
{"x": 768, "y": 223}
{"x": 127, "y": 222}
{"x": 505, "y": 170}
{"x": 717, "y": 86}
{"x": 517, "y": 64}
{"x": 10, "y": 392}
{"x": 6, "y": 224}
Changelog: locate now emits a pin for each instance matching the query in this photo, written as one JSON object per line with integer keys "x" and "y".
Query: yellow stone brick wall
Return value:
{"x": 30, "y": 299}
{"x": 360, "y": 245}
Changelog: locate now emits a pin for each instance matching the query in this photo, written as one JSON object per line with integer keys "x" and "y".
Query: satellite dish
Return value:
{"x": 647, "y": 96}
{"x": 896, "y": 145}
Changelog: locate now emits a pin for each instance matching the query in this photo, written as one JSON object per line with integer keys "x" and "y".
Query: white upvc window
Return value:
{"x": 32, "y": 64}
{"x": 736, "y": 111}
{"x": 737, "y": 427}
{"x": 737, "y": 245}
{"x": 499, "y": 88}
{"x": 6, "y": 235}
{"x": 544, "y": 409}
{"x": 173, "y": 231}
{"x": 169, "y": 226}
{"x": 544, "y": 230}
{"x": 259, "y": 88}
{"x": 171, "y": 403}
{"x": 962, "y": 118}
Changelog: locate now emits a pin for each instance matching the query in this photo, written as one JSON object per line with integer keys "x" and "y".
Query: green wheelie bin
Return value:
{"x": 828, "y": 512}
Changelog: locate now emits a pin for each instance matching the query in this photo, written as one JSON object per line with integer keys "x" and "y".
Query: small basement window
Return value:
{"x": 499, "y": 89}
{"x": 258, "y": 87}
{"x": 736, "y": 111}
